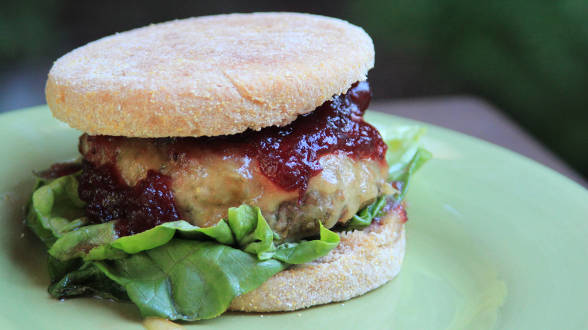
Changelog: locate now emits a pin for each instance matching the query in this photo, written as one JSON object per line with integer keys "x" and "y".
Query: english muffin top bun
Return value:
{"x": 208, "y": 76}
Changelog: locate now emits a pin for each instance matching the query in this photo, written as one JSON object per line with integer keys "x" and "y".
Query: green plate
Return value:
{"x": 494, "y": 241}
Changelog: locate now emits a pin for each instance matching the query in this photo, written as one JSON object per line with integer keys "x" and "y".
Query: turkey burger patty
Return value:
{"x": 325, "y": 165}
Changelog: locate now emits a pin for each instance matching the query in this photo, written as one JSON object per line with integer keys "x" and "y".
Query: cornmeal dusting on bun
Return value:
{"x": 211, "y": 75}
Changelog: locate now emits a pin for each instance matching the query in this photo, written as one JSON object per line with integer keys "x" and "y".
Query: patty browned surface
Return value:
{"x": 205, "y": 183}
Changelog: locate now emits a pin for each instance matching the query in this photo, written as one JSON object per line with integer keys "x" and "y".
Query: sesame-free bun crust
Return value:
{"x": 364, "y": 260}
{"x": 208, "y": 76}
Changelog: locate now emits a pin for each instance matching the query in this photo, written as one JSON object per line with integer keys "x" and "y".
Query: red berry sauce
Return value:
{"x": 147, "y": 204}
{"x": 289, "y": 156}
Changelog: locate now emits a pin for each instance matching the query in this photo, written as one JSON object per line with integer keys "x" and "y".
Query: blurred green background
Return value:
{"x": 529, "y": 58}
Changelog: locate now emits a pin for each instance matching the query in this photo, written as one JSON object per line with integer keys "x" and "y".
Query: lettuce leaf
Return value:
{"x": 75, "y": 278}
{"x": 306, "y": 251}
{"x": 55, "y": 208}
{"x": 420, "y": 157}
{"x": 98, "y": 242}
{"x": 403, "y": 143}
{"x": 245, "y": 227}
{"x": 252, "y": 231}
{"x": 189, "y": 280}
{"x": 175, "y": 270}
{"x": 404, "y": 156}
{"x": 365, "y": 217}
{"x": 256, "y": 237}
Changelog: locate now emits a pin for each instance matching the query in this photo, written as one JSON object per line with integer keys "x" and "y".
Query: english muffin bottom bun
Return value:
{"x": 225, "y": 164}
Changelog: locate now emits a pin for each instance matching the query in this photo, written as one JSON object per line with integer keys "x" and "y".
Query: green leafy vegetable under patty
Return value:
{"x": 175, "y": 270}
{"x": 404, "y": 156}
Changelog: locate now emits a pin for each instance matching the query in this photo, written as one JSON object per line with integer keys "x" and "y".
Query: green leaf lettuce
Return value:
{"x": 175, "y": 270}
{"x": 405, "y": 156}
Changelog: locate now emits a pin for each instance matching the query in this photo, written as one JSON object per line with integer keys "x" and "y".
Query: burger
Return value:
{"x": 224, "y": 165}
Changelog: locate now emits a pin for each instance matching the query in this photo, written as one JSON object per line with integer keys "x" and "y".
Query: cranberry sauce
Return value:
{"x": 147, "y": 204}
{"x": 289, "y": 155}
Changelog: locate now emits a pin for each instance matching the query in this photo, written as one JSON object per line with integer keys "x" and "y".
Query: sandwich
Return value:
{"x": 224, "y": 164}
